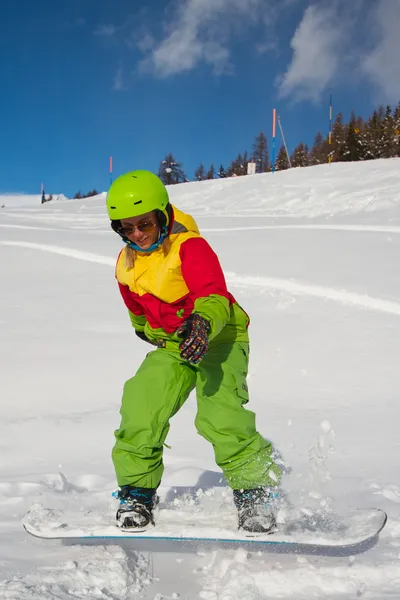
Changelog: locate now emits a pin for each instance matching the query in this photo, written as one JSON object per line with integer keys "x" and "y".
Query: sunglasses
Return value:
{"x": 144, "y": 227}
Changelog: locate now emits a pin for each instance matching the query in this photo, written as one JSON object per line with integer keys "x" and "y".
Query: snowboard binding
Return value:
{"x": 135, "y": 511}
{"x": 257, "y": 509}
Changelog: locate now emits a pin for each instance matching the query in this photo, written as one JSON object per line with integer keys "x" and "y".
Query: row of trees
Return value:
{"x": 358, "y": 139}
{"x": 89, "y": 194}
{"x": 77, "y": 196}
{"x": 377, "y": 137}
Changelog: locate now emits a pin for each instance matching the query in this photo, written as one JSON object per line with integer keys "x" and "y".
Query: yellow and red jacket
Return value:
{"x": 167, "y": 285}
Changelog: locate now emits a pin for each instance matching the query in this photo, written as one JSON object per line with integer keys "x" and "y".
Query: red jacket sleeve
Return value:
{"x": 205, "y": 280}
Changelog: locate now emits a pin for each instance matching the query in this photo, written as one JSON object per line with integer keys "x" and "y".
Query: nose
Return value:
{"x": 136, "y": 233}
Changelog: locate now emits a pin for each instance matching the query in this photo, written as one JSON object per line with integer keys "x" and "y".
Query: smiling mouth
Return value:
{"x": 143, "y": 242}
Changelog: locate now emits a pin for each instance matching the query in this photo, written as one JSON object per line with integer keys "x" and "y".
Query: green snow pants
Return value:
{"x": 158, "y": 390}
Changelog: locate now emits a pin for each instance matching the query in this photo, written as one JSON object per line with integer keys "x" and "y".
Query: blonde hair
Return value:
{"x": 130, "y": 253}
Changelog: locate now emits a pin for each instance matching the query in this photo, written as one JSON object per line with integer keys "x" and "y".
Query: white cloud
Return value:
{"x": 199, "y": 31}
{"x": 317, "y": 48}
{"x": 105, "y": 30}
{"x": 382, "y": 65}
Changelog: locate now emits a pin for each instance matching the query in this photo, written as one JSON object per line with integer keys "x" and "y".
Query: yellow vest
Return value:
{"x": 159, "y": 273}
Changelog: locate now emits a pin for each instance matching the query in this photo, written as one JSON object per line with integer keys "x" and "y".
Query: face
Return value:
{"x": 142, "y": 230}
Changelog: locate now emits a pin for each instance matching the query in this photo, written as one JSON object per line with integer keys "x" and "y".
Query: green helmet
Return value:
{"x": 136, "y": 193}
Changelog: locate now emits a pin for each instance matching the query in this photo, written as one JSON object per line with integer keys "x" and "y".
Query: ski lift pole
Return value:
{"x": 273, "y": 140}
{"x": 330, "y": 129}
{"x": 284, "y": 142}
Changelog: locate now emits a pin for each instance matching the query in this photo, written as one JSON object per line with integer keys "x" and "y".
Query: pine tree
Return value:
{"x": 320, "y": 151}
{"x": 381, "y": 118}
{"x": 200, "y": 173}
{"x": 396, "y": 126}
{"x": 170, "y": 172}
{"x": 352, "y": 149}
{"x": 282, "y": 162}
{"x": 299, "y": 157}
{"x": 260, "y": 153}
{"x": 237, "y": 167}
{"x": 314, "y": 157}
{"x": 210, "y": 173}
{"x": 388, "y": 143}
{"x": 245, "y": 162}
{"x": 221, "y": 172}
{"x": 230, "y": 170}
{"x": 372, "y": 136}
{"x": 338, "y": 137}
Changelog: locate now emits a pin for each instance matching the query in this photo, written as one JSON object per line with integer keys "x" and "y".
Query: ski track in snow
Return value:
{"x": 11, "y": 226}
{"x": 70, "y": 252}
{"x": 340, "y": 296}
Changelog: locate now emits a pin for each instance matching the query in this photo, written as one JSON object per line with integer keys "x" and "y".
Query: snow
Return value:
{"x": 24, "y": 200}
{"x": 312, "y": 254}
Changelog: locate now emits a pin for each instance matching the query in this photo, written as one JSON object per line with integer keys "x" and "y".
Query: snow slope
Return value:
{"x": 25, "y": 200}
{"x": 312, "y": 254}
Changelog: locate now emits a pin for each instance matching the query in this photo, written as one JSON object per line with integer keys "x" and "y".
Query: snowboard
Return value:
{"x": 207, "y": 517}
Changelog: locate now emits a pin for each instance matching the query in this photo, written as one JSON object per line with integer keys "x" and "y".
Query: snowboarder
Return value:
{"x": 173, "y": 286}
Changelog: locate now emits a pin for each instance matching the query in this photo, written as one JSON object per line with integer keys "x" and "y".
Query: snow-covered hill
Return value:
{"x": 312, "y": 192}
{"x": 25, "y": 200}
{"x": 312, "y": 254}
{"x": 365, "y": 187}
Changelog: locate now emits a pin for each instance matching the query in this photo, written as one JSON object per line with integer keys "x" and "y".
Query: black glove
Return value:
{"x": 143, "y": 336}
{"x": 195, "y": 332}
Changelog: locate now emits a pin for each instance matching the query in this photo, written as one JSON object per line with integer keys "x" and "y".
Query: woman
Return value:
{"x": 174, "y": 288}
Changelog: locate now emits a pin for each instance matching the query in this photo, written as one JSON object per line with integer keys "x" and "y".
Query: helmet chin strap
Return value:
{"x": 163, "y": 235}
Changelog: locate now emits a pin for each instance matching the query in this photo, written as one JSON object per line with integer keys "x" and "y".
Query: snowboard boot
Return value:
{"x": 257, "y": 509}
{"x": 136, "y": 507}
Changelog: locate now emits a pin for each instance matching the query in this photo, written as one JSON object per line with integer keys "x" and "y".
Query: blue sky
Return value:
{"x": 85, "y": 79}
